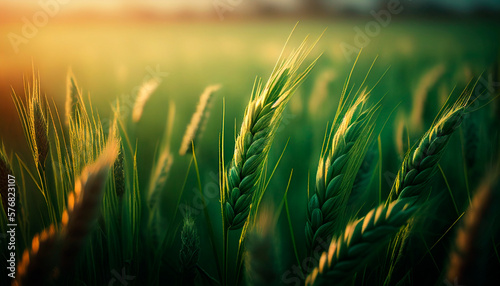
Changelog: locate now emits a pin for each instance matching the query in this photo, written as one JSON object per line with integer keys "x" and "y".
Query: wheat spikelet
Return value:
{"x": 37, "y": 265}
{"x": 38, "y": 125}
{"x": 84, "y": 203}
{"x": 467, "y": 260}
{"x": 195, "y": 128}
{"x": 5, "y": 171}
{"x": 262, "y": 117}
{"x": 337, "y": 169}
{"x": 360, "y": 241}
{"x": 190, "y": 250}
{"x": 420, "y": 95}
{"x": 261, "y": 252}
{"x": 147, "y": 88}
{"x": 421, "y": 162}
{"x": 73, "y": 98}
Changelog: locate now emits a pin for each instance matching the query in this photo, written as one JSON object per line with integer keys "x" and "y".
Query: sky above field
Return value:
{"x": 207, "y": 5}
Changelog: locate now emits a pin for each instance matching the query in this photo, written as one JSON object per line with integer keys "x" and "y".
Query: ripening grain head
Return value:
{"x": 145, "y": 91}
{"x": 39, "y": 130}
{"x": 195, "y": 128}
{"x": 361, "y": 241}
{"x": 337, "y": 168}
{"x": 37, "y": 264}
{"x": 263, "y": 116}
{"x": 421, "y": 162}
{"x": 73, "y": 98}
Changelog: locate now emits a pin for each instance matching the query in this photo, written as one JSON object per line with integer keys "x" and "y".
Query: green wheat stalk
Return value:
{"x": 262, "y": 118}
{"x": 359, "y": 243}
{"x": 337, "y": 168}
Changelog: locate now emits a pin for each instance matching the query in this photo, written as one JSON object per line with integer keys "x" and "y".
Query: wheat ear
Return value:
{"x": 337, "y": 169}
{"x": 360, "y": 241}
{"x": 421, "y": 162}
{"x": 84, "y": 204}
{"x": 73, "y": 98}
{"x": 38, "y": 125}
{"x": 195, "y": 128}
{"x": 467, "y": 260}
{"x": 190, "y": 250}
{"x": 262, "y": 118}
{"x": 147, "y": 88}
{"x": 37, "y": 264}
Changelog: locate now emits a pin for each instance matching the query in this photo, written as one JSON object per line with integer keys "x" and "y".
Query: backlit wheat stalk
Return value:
{"x": 39, "y": 129}
{"x": 37, "y": 264}
{"x": 360, "y": 242}
{"x": 195, "y": 128}
{"x": 147, "y": 88}
{"x": 421, "y": 162}
{"x": 34, "y": 121}
{"x": 73, "y": 98}
{"x": 337, "y": 169}
{"x": 262, "y": 118}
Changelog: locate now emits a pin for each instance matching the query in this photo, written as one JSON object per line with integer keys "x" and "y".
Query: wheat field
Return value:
{"x": 262, "y": 159}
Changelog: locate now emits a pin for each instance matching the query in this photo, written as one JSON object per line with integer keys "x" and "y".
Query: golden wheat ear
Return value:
{"x": 84, "y": 203}
{"x": 147, "y": 88}
{"x": 37, "y": 264}
{"x": 74, "y": 101}
{"x": 196, "y": 126}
